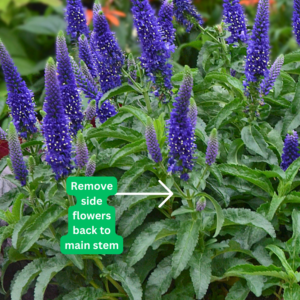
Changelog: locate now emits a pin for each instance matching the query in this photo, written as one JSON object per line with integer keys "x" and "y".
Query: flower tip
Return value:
{"x": 93, "y": 102}
{"x": 50, "y": 61}
{"x": 82, "y": 37}
{"x": 149, "y": 121}
{"x": 61, "y": 34}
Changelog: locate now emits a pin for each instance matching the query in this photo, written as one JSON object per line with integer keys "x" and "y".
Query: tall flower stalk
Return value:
{"x": 69, "y": 92}
{"x": 20, "y": 99}
{"x": 16, "y": 156}
{"x": 296, "y": 20}
{"x": 212, "y": 147}
{"x": 181, "y": 132}
{"x": 56, "y": 126}
{"x": 152, "y": 143}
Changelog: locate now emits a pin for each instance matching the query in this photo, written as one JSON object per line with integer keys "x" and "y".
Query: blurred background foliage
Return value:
{"x": 28, "y": 29}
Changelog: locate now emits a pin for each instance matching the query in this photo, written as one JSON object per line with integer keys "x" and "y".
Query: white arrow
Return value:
{"x": 169, "y": 194}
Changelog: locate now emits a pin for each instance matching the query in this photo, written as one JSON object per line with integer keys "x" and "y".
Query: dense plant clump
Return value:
{"x": 221, "y": 137}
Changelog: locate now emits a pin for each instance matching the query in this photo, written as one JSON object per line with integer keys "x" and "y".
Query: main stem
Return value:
{"x": 147, "y": 100}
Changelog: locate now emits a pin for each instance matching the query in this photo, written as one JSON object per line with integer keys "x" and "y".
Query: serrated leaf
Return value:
{"x": 50, "y": 269}
{"x": 239, "y": 291}
{"x": 292, "y": 292}
{"x": 280, "y": 254}
{"x": 7, "y": 198}
{"x": 42, "y": 222}
{"x": 25, "y": 277}
{"x": 134, "y": 217}
{"x": 274, "y": 205}
{"x": 295, "y": 240}
{"x": 235, "y": 152}
{"x": 135, "y": 147}
{"x": 6, "y": 233}
{"x": 247, "y": 217}
{"x": 84, "y": 293}
{"x": 23, "y": 223}
{"x": 130, "y": 281}
{"x": 187, "y": 238}
{"x": 159, "y": 280}
{"x": 200, "y": 272}
{"x": 137, "y": 112}
{"x": 248, "y": 174}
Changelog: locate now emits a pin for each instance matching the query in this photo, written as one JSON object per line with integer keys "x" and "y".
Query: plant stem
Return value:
{"x": 147, "y": 100}
{"x": 133, "y": 81}
{"x": 209, "y": 34}
{"x": 198, "y": 185}
{"x": 101, "y": 267}
{"x": 113, "y": 295}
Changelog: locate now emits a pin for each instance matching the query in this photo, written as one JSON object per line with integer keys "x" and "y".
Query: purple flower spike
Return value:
{"x": 56, "y": 126}
{"x": 212, "y": 147}
{"x": 91, "y": 166}
{"x": 184, "y": 11}
{"x": 109, "y": 58}
{"x": 268, "y": 82}
{"x": 165, "y": 20}
{"x": 82, "y": 153}
{"x": 152, "y": 143}
{"x": 16, "y": 155}
{"x": 3, "y": 134}
{"x": 20, "y": 99}
{"x": 181, "y": 132}
{"x": 201, "y": 204}
{"x": 290, "y": 150}
{"x": 155, "y": 51}
{"x": 259, "y": 46}
{"x": 296, "y": 20}
{"x": 69, "y": 92}
{"x": 75, "y": 17}
{"x": 193, "y": 113}
{"x": 107, "y": 109}
{"x": 85, "y": 54}
{"x": 90, "y": 112}
{"x": 234, "y": 16}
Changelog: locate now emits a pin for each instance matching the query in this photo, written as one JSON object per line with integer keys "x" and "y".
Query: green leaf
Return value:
{"x": 120, "y": 90}
{"x": 224, "y": 113}
{"x": 137, "y": 112}
{"x": 200, "y": 272}
{"x": 248, "y": 269}
{"x": 25, "y": 277}
{"x": 46, "y": 25}
{"x": 182, "y": 210}
{"x": 42, "y": 222}
{"x": 159, "y": 280}
{"x": 254, "y": 141}
{"x": 274, "y": 205}
{"x": 294, "y": 242}
{"x": 274, "y": 138}
{"x": 84, "y": 293}
{"x": 7, "y": 198}
{"x": 239, "y": 291}
{"x": 6, "y": 233}
{"x": 292, "y": 292}
{"x": 115, "y": 131}
{"x": 247, "y": 217}
{"x": 187, "y": 238}
{"x": 135, "y": 147}
{"x": 248, "y": 174}
{"x": 235, "y": 152}
{"x": 280, "y": 254}
{"x": 19, "y": 227}
{"x": 50, "y": 269}
{"x": 134, "y": 217}
{"x": 130, "y": 281}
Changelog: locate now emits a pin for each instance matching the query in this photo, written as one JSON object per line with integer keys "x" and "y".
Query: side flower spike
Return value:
{"x": 201, "y": 204}
{"x": 20, "y": 99}
{"x": 296, "y": 20}
{"x": 90, "y": 112}
{"x": 193, "y": 113}
{"x": 186, "y": 14}
{"x": 212, "y": 147}
{"x": 91, "y": 166}
{"x": 131, "y": 68}
{"x": 107, "y": 109}
{"x": 16, "y": 156}
{"x": 181, "y": 132}
{"x": 268, "y": 82}
{"x": 69, "y": 92}
{"x": 82, "y": 153}
{"x": 75, "y": 18}
{"x": 290, "y": 150}
{"x": 3, "y": 134}
{"x": 86, "y": 54}
{"x": 234, "y": 16}
{"x": 152, "y": 143}
{"x": 56, "y": 126}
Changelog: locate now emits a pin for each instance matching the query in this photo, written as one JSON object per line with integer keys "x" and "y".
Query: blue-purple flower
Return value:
{"x": 152, "y": 143}
{"x": 201, "y": 204}
{"x": 186, "y": 14}
{"x": 20, "y": 99}
{"x": 108, "y": 56}
{"x": 91, "y": 167}
{"x": 290, "y": 150}
{"x": 296, "y": 20}
{"x": 82, "y": 153}
{"x": 69, "y": 92}
{"x": 165, "y": 20}
{"x": 56, "y": 126}
{"x": 212, "y": 147}
{"x": 259, "y": 46}
{"x": 3, "y": 134}
{"x": 234, "y": 16}
{"x": 86, "y": 54}
{"x": 193, "y": 113}
{"x": 107, "y": 109}
{"x": 181, "y": 132}
{"x": 268, "y": 82}
{"x": 75, "y": 17}
{"x": 155, "y": 51}
{"x": 16, "y": 156}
